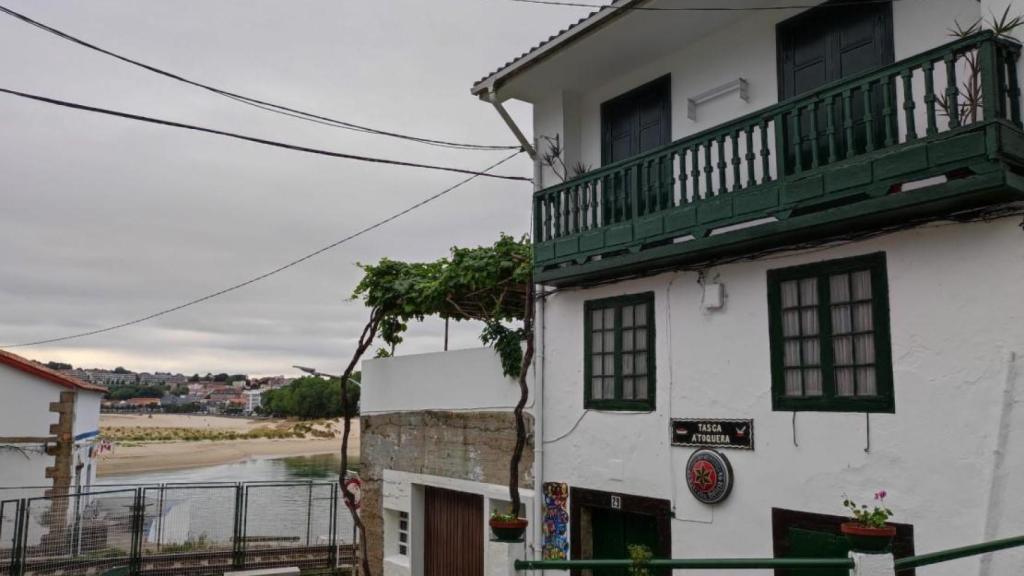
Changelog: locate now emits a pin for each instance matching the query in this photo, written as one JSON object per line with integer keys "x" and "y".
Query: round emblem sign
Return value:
{"x": 709, "y": 476}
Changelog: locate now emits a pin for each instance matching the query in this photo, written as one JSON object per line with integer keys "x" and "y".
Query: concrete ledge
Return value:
{"x": 288, "y": 571}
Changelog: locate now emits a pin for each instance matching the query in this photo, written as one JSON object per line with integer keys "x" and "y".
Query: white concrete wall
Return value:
{"x": 403, "y": 492}
{"x": 454, "y": 380}
{"x": 956, "y": 318}
{"x": 25, "y": 410}
{"x": 746, "y": 49}
{"x": 87, "y": 413}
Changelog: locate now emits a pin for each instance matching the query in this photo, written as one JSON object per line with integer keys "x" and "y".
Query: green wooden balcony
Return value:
{"x": 925, "y": 137}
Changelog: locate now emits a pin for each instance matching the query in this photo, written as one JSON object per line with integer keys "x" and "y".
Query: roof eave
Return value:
{"x": 591, "y": 23}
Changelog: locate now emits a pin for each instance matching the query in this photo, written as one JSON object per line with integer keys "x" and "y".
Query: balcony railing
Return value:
{"x": 938, "y": 114}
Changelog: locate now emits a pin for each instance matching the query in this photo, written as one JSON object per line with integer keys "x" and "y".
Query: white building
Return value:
{"x": 49, "y": 423}
{"x": 253, "y": 400}
{"x": 436, "y": 433}
{"x": 780, "y": 247}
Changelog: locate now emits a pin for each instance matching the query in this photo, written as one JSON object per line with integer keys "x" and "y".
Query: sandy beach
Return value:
{"x": 137, "y": 457}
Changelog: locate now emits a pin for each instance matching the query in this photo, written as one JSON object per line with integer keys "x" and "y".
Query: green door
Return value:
{"x": 814, "y": 544}
{"x": 615, "y": 530}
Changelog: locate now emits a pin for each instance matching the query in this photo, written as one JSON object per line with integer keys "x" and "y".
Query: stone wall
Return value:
{"x": 473, "y": 446}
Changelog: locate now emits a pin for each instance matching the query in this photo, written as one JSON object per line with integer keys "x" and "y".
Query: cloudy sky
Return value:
{"x": 104, "y": 220}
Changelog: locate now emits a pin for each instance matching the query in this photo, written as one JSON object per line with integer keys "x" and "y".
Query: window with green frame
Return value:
{"x": 619, "y": 352}
{"x": 829, "y": 331}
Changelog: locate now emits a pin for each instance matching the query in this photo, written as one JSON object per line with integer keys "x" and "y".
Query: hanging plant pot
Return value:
{"x": 510, "y": 530}
{"x": 867, "y": 539}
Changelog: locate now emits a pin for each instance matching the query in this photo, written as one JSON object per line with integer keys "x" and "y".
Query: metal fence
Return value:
{"x": 176, "y": 529}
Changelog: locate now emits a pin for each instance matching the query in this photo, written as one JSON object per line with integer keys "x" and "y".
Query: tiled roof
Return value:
{"x": 36, "y": 369}
{"x": 551, "y": 39}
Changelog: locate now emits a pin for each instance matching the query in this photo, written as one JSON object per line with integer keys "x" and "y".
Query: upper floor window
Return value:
{"x": 829, "y": 330}
{"x": 619, "y": 352}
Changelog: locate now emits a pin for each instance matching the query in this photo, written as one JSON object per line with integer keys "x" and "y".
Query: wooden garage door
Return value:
{"x": 454, "y": 533}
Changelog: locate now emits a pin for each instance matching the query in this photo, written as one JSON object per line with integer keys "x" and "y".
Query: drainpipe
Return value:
{"x": 492, "y": 97}
{"x": 997, "y": 485}
{"x": 538, "y": 430}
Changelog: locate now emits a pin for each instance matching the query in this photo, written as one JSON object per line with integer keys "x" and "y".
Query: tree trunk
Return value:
{"x": 524, "y": 395}
{"x": 365, "y": 339}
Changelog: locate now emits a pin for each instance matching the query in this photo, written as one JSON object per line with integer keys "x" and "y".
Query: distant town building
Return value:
{"x": 253, "y": 400}
{"x": 49, "y": 420}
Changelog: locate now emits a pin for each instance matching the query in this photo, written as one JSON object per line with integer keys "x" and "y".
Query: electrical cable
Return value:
{"x": 263, "y": 141}
{"x": 266, "y": 275}
{"x": 572, "y": 4}
{"x": 255, "y": 102}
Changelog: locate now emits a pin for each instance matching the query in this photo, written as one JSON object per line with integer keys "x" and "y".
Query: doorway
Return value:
{"x": 453, "y": 538}
{"x": 603, "y": 525}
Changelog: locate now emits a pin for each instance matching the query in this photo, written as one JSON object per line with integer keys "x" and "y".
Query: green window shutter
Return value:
{"x": 829, "y": 333}
{"x": 618, "y": 350}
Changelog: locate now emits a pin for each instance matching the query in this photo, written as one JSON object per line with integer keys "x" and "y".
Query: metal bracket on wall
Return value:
{"x": 739, "y": 84}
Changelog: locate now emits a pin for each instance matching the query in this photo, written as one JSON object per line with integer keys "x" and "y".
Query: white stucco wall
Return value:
{"x": 87, "y": 413}
{"x": 25, "y": 411}
{"x": 404, "y": 492}
{"x": 745, "y": 49}
{"x": 956, "y": 319}
{"x": 455, "y": 380}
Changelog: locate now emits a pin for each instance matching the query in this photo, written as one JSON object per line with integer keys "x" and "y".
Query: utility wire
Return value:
{"x": 573, "y": 4}
{"x": 255, "y": 102}
{"x": 263, "y": 141}
{"x": 277, "y": 270}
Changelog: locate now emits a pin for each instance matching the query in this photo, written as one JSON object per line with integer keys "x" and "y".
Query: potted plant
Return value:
{"x": 870, "y": 531}
{"x": 507, "y": 526}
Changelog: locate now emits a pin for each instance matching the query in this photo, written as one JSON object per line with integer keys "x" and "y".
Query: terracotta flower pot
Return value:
{"x": 867, "y": 539}
{"x": 508, "y": 530}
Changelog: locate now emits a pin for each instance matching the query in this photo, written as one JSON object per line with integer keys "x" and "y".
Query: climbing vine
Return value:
{"x": 486, "y": 283}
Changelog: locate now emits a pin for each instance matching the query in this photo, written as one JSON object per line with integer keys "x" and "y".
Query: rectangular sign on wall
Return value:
{"x": 730, "y": 433}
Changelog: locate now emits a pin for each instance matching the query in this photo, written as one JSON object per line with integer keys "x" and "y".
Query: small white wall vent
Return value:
{"x": 739, "y": 85}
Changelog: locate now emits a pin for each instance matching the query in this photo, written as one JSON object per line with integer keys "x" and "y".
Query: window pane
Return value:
{"x": 809, "y": 292}
{"x": 809, "y": 322}
{"x": 641, "y": 387}
{"x": 609, "y": 341}
{"x": 862, "y": 317}
{"x": 609, "y": 318}
{"x": 627, "y": 316}
{"x": 842, "y": 351}
{"x": 812, "y": 352}
{"x": 840, "y": 288}
{"x": 627, "y": 388}
{"x": 609, "y": 364}
{"x": 844, "y": 382}
{"x": 627, "y": 363}
{"x": 866, "y": 381}
{"x": 596, "y": 339}
{"x": 791, "y": 323}
{"x": 792, "y": 354}
{"x": 789, "y": 294}
{"x": 609, "y": 387}
{"x": 641, "y": 314}
{"x": 862, "y": 285}
{"x": 864, "y": 348}
{"x": 841, "y": 319}
{"x": 812, "y": 382}
{"x": 596, "y": 389}
{"x": 596, "y": 365}
{"x": 640, "y": 340}
{"x": 595, "y": 319}
{"x": 793, "y": 387}
{"x": 640, "y": 363}
{"x": 627, "y": 340}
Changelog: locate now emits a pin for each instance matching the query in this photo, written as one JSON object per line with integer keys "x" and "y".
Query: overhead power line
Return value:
{"x": 248, "y": 100}
{"x": 266, "y": 275}
{"x": 263, "y": 141}
{"x": 572, "y": 4}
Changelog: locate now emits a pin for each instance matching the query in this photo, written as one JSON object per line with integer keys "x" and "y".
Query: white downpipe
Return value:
{"x": 997, "y": 486}
{"x": 538, "y": 409}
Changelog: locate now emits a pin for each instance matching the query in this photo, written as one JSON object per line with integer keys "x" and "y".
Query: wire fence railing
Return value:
{"x": 176, "y": 529}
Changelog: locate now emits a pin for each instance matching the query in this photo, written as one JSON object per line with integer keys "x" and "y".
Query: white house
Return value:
{"x": 436, "y": 433}
{"x": 765, "y": 236}
{"x": 49, "y": 423}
